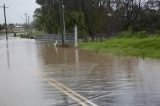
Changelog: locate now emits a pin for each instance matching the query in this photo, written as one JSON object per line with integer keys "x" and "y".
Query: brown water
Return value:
{"x": 103, "y": 79}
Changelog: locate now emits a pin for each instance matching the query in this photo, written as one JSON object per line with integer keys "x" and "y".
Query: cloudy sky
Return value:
{"x": 17, "y": 9}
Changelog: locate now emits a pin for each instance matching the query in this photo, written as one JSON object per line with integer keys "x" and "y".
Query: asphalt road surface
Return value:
{"x": 37, "y": 74}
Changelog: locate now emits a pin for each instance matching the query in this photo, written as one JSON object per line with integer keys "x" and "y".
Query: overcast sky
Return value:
{"x": 17, "y": 9}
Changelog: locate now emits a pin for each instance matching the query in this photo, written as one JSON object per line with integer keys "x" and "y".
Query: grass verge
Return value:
{"x": 145, "y": 47}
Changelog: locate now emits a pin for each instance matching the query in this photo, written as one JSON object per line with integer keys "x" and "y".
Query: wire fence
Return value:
{"x": 53, "y": 37}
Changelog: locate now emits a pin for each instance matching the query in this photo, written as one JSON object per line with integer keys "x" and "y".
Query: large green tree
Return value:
{"x": 95, "y": 17}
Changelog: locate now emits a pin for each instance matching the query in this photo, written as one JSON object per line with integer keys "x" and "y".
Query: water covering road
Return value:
{"x": 104, "y": 80}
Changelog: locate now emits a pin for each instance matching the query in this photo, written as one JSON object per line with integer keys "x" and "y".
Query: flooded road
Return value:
{"x": 35, "y": 74}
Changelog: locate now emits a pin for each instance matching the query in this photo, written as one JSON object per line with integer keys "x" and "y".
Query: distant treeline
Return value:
{"x": 95, "y": 17}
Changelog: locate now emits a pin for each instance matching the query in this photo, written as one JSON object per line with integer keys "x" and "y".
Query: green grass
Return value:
{"x": 1, "y": 33}
{"x": 38, "y": 33}
{"x": 145, "y": 47}
{"x": 32, "y": 35}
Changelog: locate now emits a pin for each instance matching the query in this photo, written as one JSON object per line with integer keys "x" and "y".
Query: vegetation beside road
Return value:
{"x": 2, "y": 34}
{"x": 132, "y": 46}
{"x": 38, "y": 33}
{"x": 95, "y": 18}
{"x": 32, "y": 34}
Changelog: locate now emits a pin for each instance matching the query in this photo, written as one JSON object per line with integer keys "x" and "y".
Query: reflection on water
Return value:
{"x": 104, "y": 79}
{"x": 8, "y": 56}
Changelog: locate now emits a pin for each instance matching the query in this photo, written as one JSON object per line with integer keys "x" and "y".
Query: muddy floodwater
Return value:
{"x": 104, "y": 80}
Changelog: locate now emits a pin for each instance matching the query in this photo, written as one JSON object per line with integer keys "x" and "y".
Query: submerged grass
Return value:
{"x": 145, "y": 47}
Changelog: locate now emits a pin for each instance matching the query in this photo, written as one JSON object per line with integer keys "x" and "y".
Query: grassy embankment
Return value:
{"x": 1, "y": 33}
{"x": 32, "y": 35}
{"x": 133, "y": 46}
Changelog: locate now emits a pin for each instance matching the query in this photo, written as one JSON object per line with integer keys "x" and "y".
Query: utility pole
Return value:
{"x": 28, "y": 24}
{"x": 26, "y": 18}
{"x": 62, "y": 26}
{"x": 4, "y": 9}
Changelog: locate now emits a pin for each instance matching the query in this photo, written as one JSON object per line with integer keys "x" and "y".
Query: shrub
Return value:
{"x": 131, "y": 34}
{"x": 125, "y": 34}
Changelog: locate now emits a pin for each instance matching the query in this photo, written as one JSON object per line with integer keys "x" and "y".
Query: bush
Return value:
{"x": 131, "y": 34}
{"x": 125, "y": 34}
{"x": 141, "y": 34}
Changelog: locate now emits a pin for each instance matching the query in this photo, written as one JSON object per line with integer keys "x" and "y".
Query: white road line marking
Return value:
{"x": 87, "y": 91}
{"x": 67, "y": 91}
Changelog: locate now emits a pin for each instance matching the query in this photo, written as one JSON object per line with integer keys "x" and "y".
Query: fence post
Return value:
{"x": 75, "y": 36}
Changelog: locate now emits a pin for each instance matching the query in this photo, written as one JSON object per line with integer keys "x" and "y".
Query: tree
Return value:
{"x": 94, "y": 17}
{"x": 1, "y": 27}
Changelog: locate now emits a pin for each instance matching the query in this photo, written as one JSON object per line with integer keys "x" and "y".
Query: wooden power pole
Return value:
{"x": 5, "y": 19}
{"x": 62, "y": 21}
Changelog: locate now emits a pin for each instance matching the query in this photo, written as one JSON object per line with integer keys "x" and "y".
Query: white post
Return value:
{"x": 75, "y": 36}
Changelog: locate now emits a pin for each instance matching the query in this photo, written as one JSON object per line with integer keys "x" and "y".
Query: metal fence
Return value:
{"x": 53, "y": 37}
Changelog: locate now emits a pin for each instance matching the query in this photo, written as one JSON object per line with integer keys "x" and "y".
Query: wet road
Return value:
{"x": 35, "y": 74}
